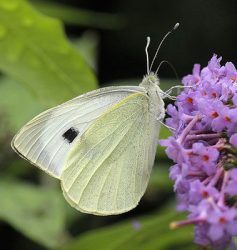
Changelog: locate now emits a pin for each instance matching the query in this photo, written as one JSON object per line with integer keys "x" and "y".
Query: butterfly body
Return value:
{"x": 153, "y": 91}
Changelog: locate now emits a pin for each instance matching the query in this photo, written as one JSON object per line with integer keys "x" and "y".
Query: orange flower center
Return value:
{"x": 233, "y": 78}
{"x": 222, "y": 220}
{"x": 214, "y": 114}
{"x": 213, "y": 94}
{"x": 205, "y": 157}
{"x": 189, "y": 100}
{"x": 227, "y": 119}
{"x": 205, "y": 194}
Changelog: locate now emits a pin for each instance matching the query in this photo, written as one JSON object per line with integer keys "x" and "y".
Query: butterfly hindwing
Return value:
{"x": 47, "y": 139}
{"x": 108, "y": 167}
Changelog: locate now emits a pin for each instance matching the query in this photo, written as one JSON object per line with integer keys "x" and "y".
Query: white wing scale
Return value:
{"x": 41, "y": 140}
{"x": 108, "y": 168}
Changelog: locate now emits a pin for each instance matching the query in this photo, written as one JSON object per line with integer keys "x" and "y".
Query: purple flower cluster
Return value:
{"x": 204, "y": 149}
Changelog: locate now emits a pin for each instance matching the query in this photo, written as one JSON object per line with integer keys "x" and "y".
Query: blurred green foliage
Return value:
{"x": 145, "y": 233}
{"x": 13, "y": 94}
{"x": 35, "y": 52}
{"x": 80, "y": 17}
{"x": 37, "y": 212}
{"x": 40, "y": 68}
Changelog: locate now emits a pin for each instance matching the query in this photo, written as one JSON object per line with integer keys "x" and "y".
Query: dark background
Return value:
{"x": 206, "y": 27}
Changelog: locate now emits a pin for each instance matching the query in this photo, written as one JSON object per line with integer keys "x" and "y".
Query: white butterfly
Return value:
{"x": 101, "y": 145}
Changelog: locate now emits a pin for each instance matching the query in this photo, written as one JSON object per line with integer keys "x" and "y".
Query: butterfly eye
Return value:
{"x": 70, "y": 134}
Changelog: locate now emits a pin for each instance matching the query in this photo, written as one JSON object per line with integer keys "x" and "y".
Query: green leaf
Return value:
{"x": 153, "y": 233}
{"x": 81, "y": 17}
{"x": 234, "y": 243}
{"x": 87, "y": 45}
{"x": 159, "y": 180}
{"x": 35, "y": 52}
{"x": 17, "y": 105}
{"x": 164, "y": 134}
{"x": 37, "y": 212}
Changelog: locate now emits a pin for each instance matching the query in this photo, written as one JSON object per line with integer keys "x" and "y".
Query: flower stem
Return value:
{"x": 221, "y": 201}
{"x": 187, "y": 129}
{"x": 196, "y": 174}
{"x": 203, "y": 136}
{"x": 216, "y": 177}
{"x": 177, "y": 224}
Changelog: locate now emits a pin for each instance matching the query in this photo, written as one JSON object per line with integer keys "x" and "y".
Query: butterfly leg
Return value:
{"x": 170, "y": 128}
{"x": 171, "y": 97}
{"x": 160, "y": 120}
{"x": 178, "y": 87}
{"x": 174, "y": 87}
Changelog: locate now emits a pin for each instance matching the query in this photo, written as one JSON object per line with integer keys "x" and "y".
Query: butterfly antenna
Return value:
{"x": 163, "y": 39}
{"x": 171, "y": 66}
{"x": 147, "y": 55}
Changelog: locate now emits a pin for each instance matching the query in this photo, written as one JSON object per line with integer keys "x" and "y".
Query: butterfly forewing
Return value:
{"x": 47, "y": 139}
{"x": 108, "y": 168}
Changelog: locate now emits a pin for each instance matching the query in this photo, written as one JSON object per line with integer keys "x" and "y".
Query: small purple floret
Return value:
{"x": 204, "y": 149}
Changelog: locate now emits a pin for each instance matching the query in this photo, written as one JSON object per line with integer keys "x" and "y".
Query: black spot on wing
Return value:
{"x": 70, "y": 134}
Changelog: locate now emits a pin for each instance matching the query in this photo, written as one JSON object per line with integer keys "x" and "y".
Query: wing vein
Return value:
{"x": 97, "y": 145}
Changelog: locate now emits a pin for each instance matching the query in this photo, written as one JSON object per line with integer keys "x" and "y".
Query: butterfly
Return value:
{"x": 101, "y": 145}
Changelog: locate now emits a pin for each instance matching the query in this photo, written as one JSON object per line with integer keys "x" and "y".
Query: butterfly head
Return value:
{"x": 151, "y": 79}
{"x": 150, "y": 82}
